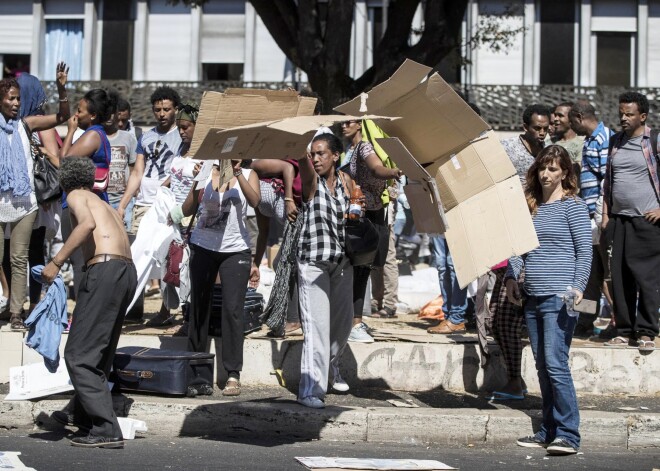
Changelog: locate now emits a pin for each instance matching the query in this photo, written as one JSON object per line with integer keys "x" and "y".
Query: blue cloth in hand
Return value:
{"x": 47, "y": 321}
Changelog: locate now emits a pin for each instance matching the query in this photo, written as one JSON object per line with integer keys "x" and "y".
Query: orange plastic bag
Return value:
{"x": 432, "y": 310}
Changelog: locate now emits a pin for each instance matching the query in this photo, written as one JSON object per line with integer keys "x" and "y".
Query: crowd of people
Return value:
{"x": 597, "y": 218}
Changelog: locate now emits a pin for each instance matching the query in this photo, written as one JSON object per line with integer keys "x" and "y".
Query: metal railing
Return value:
{"x": 501, "y": 105}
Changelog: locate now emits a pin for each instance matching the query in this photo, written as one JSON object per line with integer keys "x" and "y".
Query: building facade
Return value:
{"x": 565, "y": 42}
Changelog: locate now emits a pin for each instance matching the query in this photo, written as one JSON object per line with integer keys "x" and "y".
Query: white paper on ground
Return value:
{"x": 34, "y": 380}
{"x": 130, "y": 426}
{"x": 316, "y": 462}
{"x": 10, "y": 460}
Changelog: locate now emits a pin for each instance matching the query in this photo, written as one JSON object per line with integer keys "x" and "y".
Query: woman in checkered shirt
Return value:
{"x": 325, "y": 274}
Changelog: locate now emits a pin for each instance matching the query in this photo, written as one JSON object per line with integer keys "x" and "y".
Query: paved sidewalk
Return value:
{"x": 382, "y": 416}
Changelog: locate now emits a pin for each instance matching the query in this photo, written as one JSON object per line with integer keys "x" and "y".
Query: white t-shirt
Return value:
{"x": 181, "y": 177}
{"x": 221, "y": 222}
{"x": 14, "y": 208}
{"x": 158, "y": 151}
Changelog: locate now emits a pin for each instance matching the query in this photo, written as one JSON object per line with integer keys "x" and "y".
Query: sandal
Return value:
{"x": 232, "y": 388}
{"x": 645, "y": 345}
{"x": 618, "y": 342}
{"x": 178, "y": 330}
{"x": 16, "y": 322}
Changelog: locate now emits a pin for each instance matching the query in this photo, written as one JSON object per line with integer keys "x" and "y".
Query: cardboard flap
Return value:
{"x": 281, "y": 139}
{"x": 421, "y": 190}
{"x": 406, "y": 78}
{"x": 476, "y": 168}
{"x": 403, "y": 159}
{"x": 436, "y": 121}
{"x": 239, "y": 107}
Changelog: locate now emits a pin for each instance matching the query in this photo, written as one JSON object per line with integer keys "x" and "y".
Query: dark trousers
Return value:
{"x": 635, "y": 267}
{"x": 594, "y": 288}
{"x": 36, "y": 257}
{"x": 361, "y": 274}
{"x": 77, "y": 259}
{"x": 234, "y": 271}
{"x": 106, "y": 289}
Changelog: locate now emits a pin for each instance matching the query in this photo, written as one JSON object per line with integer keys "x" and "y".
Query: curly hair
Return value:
{"x": 547, "y": 156}
{"x": 6, "y": 84}
{"x": 635, "y": 97}
{"x": 166, "y": 93}
{"x": 76, "y": 172}
{"x": 531, "y": 110}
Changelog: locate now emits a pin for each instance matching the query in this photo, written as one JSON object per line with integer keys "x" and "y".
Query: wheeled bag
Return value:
{"x": 159, "y": 371}
{"x": 253, "y": 308}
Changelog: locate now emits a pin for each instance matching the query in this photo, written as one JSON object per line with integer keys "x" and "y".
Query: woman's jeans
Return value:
{"x": 550, "y": 333}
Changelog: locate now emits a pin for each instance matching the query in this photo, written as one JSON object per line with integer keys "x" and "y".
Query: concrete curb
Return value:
{"x": 291, "y": 422}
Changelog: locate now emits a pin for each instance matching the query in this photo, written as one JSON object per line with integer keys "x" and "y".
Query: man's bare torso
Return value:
{"x": 109, "y": 235}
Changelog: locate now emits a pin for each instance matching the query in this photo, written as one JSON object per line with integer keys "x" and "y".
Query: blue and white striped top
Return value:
{"x": 594, "y": 164}
{"x": 563, "y": 257}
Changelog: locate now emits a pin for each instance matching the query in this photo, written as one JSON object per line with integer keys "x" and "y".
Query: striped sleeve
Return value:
{"x": 515, "y": 268}
{"x": 580, "y": 228}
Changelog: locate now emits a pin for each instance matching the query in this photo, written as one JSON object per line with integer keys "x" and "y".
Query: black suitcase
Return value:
{"x": 163, "y": 371}
{"x": 254, "y": 307}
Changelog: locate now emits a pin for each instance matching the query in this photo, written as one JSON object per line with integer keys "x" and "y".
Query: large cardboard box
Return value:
{"x": 487, "y": 215}
{"x": 486, "y": 218}
{"x": 286, "y": 138}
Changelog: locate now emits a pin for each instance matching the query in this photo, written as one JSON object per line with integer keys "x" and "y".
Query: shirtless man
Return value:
{"x": 107, "y": 287}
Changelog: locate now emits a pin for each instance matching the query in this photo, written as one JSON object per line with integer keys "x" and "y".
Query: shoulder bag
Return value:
{"x": 175, "y": 252}
{"x": 46, "y": 182}
{"x": 360, "y": 239}
{"x": 102, "y": 174}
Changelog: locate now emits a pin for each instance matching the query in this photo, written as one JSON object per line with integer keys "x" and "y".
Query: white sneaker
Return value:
{"x": 359, "y": 334}
{"x": 312, "y": 401}
{"x": 339, "y": 385}
{"x": 3, "y": 303}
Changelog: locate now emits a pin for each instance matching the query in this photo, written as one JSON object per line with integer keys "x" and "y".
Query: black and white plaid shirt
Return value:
{"x": 323, "y": 233}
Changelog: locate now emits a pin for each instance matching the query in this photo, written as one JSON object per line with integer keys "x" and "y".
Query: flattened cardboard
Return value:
{"x": 436, "y": 122}
{"x": 489, "y": 227}
{"x": 281, "y": 139}
{"x": 421, "y": 190}
{"x": 243, "y": 106}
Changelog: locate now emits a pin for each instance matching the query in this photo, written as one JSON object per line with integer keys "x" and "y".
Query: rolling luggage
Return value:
{"x": 254, "y": 307}
{"x": 163, "y": 371}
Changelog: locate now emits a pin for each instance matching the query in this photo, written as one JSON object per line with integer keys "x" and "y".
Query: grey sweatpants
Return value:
{"x": 326, "y": 314}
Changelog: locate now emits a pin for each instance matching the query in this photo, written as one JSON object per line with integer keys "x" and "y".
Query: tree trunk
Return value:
{"x": 321, "y": 46}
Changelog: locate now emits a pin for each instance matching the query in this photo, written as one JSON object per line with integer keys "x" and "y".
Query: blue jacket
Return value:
{"x": 47, "y": 321}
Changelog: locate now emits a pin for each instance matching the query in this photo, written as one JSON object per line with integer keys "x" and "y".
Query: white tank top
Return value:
{"x": 221, "y": 219}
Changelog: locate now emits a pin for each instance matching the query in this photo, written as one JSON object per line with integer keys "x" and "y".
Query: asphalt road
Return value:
{"x": 50, "y": 451}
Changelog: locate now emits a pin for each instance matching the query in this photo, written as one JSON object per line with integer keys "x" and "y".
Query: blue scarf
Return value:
{"x": 13, "y": 168}
{"x": 33, "y": 96}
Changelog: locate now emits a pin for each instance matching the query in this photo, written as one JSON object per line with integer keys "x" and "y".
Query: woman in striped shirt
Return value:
{"x": 562, "y": 260}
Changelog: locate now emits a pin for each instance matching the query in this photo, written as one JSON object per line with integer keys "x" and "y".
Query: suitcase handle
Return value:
{"x": 136, "y": 374}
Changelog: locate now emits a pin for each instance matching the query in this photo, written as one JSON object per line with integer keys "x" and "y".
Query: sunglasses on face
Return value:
{"x": 346, "y": 124}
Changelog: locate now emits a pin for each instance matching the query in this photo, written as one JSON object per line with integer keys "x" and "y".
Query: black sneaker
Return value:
{"x": 559, "y": 446}
{"x": 531, "y": 441}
